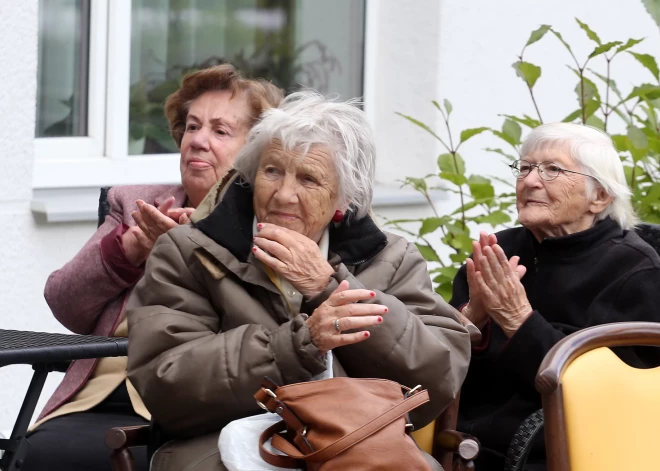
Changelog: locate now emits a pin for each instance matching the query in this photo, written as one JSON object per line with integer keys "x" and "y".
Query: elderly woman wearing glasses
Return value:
{"x": 575, "y": 262}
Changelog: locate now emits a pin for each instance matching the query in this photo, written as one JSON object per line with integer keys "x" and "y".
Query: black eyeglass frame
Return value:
{"x": 520, "y": 176}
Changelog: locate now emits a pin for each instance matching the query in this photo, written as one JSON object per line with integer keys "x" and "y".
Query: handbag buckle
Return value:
{"x": 271, "y": 394}
{"x": 412, "y": 391}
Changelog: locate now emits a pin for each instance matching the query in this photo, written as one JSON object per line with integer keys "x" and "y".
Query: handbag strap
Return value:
{"x": 295, "y": 456}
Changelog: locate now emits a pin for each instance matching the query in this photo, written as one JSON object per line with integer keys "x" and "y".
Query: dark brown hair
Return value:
{"x": 261, "y": 95}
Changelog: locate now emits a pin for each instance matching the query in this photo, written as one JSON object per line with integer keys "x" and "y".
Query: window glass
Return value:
{"x": 63, "y": 68}
{"x": 313, "y": 43}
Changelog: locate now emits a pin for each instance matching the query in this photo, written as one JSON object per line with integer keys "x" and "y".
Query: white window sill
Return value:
{"x": 81, "y": 204}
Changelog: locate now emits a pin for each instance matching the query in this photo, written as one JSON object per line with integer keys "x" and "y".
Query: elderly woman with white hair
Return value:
{"x": 576, "y": 262}
{"x": 281, "y": 264}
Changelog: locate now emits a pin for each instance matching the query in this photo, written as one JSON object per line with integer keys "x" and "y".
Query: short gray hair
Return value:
{"x": 595, "y": 153}
{"x": 307, "y": 118}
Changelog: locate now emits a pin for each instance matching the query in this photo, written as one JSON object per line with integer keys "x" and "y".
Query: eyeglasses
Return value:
{"x": 548, "y": 171}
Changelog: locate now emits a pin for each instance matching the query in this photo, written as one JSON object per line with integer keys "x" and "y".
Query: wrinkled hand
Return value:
{"x": 294, "y": 256}
{"x": 500, "y": 290}
{"x": 151, "y": 223}
{"x": 475, "y": 310}
{"x": 342, "y": 306}
{"x": 180, "y": 215}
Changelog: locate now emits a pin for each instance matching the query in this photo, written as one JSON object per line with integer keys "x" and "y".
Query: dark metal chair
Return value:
{"x": 46, "y": 352}
{"x": 521, "y": 443}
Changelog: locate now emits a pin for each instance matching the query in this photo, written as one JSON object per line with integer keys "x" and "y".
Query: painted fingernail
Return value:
{"x": 366, "y": 335}
{"x": 380, "y": 319}
{"x": 372, "y": 294}
{"x": 385, "y": 310}
{"x": 260, "y": 226}
{"x": 254, "y": 249}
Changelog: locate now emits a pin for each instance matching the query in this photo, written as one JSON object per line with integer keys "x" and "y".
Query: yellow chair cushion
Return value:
{"x": 424, "y": 437}
{"x": 612, "y": 413}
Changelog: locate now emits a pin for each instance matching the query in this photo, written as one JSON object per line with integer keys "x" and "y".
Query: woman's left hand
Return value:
{"x": 294, "y": 256}
{"x": 503, "y": 294}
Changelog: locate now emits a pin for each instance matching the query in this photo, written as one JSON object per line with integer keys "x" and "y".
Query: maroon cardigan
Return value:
{"x": 88, "y": 294}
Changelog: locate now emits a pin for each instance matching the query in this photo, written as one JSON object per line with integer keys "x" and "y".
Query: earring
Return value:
{"x": 338, "y": 217}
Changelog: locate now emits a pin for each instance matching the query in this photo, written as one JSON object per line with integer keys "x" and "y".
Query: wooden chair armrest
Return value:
{"x": 119, "y": 439}
{"x": 464, "y": 445}
{"x": 123, "y": 437}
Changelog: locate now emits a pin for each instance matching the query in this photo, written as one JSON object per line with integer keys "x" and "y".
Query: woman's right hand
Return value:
{"x": 138, "y": 240}
{"x": 475, "y": 310}
{"x": 342, "y": 310}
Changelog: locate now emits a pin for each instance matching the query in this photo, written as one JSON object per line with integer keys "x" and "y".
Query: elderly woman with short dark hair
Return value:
{"x": 282, "y": 266}
{"x": 209, "y": 117}
{"x": 576, "y": 262}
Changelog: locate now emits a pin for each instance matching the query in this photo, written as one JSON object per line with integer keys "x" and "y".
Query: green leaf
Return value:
{"x": 451, "y": 164}
{"x": 454, "y": 178}
{"x": 495, "y": 218}
{"x": 596, "y": 122}
{"x": 466, "y": 207}
{"x": 591, "y": 107}
{"x": 431, "y": 225}
{"x": 630, "y": 43}
{"x": 421, "y": 125}
{"x": 445, "y": 290}
{"x": 504, "y": 137}
{"x": 448, "y": 107}
{"x": 530, "y": 73}
{"x": 427, "y": 252}
{"x": 587, "y": 88}
{"x": 461, "y": 242}
{"x": 448, "y": 272}
{"x": 512, "y": 129}
{"x": 559, "y": 36}
{"x": 593, "y": 36}
{"x": 603, "y": 48}
{"x": 573, "y": 116}
{"x": 653, "y": 7}
{"x": 638, "y": 138}
{"x": 607, "y": 81}
{"x": 620, "y": 142}
{"x": 455, "y": 229}
{"x": 525, "y": 120}
{"x": 418, "y": 184}
{"x": 645, "y": 90}
{"x": 478, "y": 179}
{"x": 647, "y": 61}
{"x": 537, "y": 34}
{"x": 468, "y": 133}
{"x": 459, "y": 257}
{"x": 481, "y": 190}
{"x": 501, "y": 152}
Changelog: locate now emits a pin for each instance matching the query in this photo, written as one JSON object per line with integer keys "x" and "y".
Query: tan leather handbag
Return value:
{"x": 342, "y": 424}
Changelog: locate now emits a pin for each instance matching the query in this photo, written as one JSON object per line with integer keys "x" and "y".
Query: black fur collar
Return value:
{"x": 230, "y": 225}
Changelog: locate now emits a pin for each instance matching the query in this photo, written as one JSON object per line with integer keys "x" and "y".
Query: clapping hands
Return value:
{"x": 151, "y": 223}
{"x": 495, "y": 288}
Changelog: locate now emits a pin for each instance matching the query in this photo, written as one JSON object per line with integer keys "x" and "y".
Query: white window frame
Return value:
{"x": 101, "y": 158}
{"x": 57, "y": 148}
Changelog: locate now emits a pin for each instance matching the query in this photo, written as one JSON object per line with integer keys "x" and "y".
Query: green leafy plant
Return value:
{"x": 631, "y": 119}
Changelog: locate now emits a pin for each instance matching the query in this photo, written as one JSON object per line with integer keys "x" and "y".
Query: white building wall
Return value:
{"x": 417, "y": 51}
